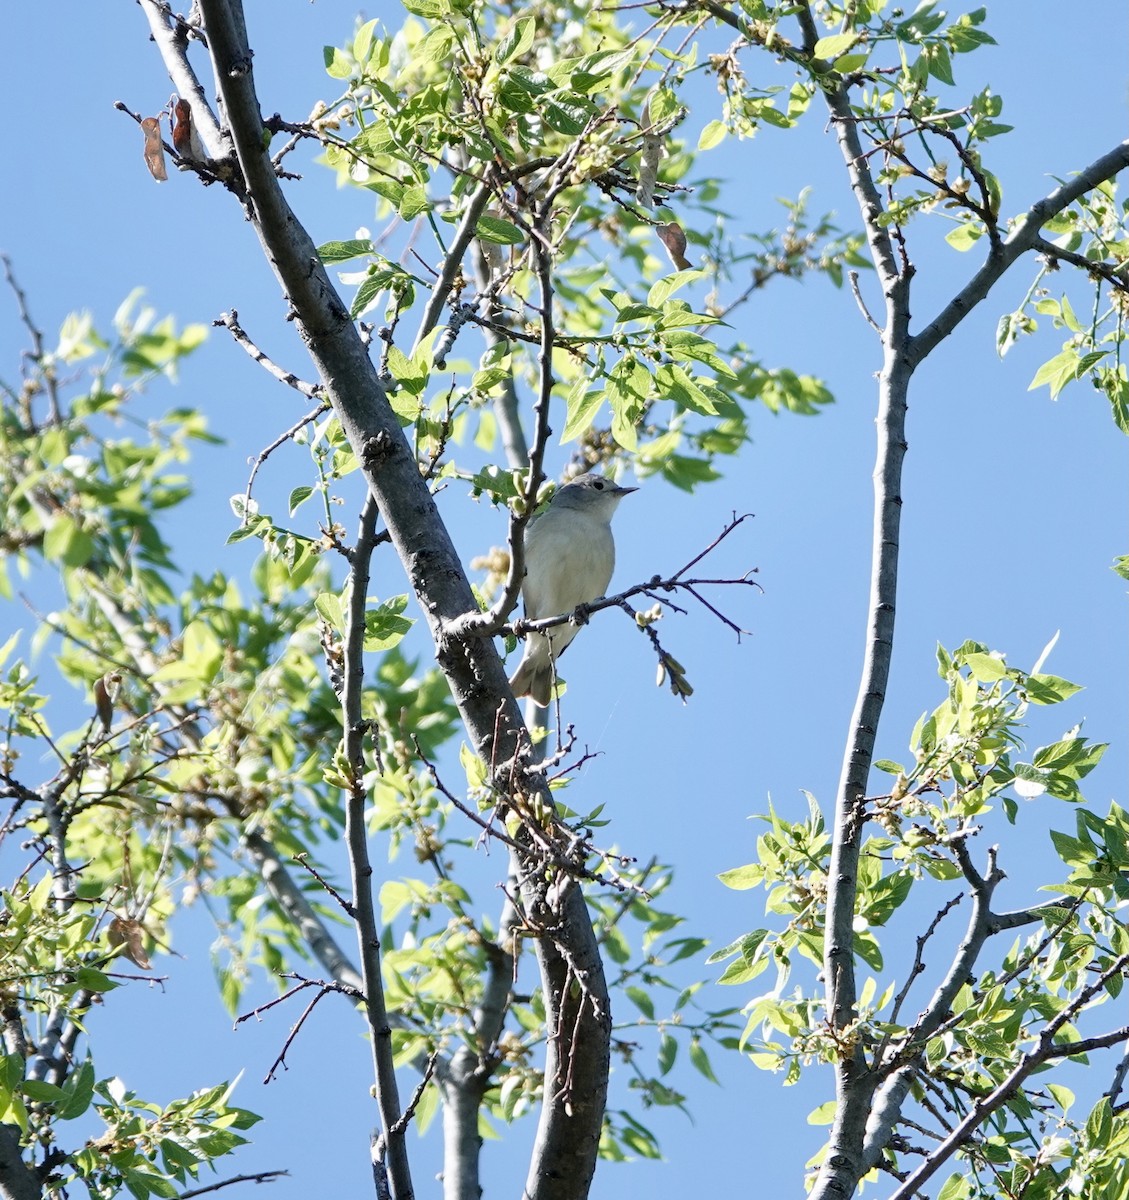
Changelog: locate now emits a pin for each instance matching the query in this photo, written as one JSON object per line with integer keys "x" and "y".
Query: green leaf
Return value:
{"x": 1099, "y": 1124}
{"x": 642, "y": 1001}
{"x": 701, "y": 1061}
{"x": 335, "y": 252}
{"x": 844, "y": 64}
{"x": 1115, "y": 384}
{"x": 410, "y": 373}
{"x": 686, "y": 948}
{"x": 299, "y": 495}
{"x": 582, "y": 405}
{"x": 663, "y": 105}
{"x": 413, "y": 202}
{"x": 987, "y": 668}
{"x": 66, "y": 541}
{"x": 683, "y": 344}
{"x": 1073, "y": 756}
{"x": 628, "y": 389}
{"x": 1063, "y": 1096}
{"x": 385, "y": 627}
{"x": 742, "y": 878}
{"x": 742, "y": 972}
{"x": 964, "y": 37}
{"x": 429, "y": 8}
{"x": 494, "y": 229}
{"x": 662, "y": 290}
{"x": 1050, "y": 689}
{"x": 965, "y": 236}
{"x": 368, "y": 291}
{"x": 516, "y": 98}
{"x": 686, "y": 472}
{"x": 746, "y": 945}
{"x": 1072, "y": 851}
{"x": 7, "y": 648}
{"x": 434, "y": 49}
{"x": 517, "y": 42}
{"x": 176, "y": 1159}
{"x": 1066, "y": 366}
{"x": 712, "y": 135}
{"x": 566, "y": 117}
{"x": 145, "y": 1183}
{"x": 940, "y": 65}
{"x": 673, "y": 383}
{"x": 79, "y": 1093}
{"x": 328, "y": 605}
{"x": 338, "y": 64}
{"x": 832, "y": 47}
{"x": 617, "y": 946}
{"x": 956, "y": 1187}
{"x": 91, "y": 980}
{"x": 362, "y": 41}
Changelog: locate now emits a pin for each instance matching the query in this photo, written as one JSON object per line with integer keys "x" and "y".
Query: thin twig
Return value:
{"x": 856, "y": 291}
{"x": 230, "y": 322}
{"x": 257, "y": 1177}
{"x": 47, "y": 374}
{"x": 303, "y": 860}
{"x": 281, "y": 440}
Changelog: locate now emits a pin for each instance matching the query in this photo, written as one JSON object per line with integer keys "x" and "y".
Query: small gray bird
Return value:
{"x": 569, "y": 559}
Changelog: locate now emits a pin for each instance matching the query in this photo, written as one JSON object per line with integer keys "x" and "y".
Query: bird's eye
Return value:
{"x": 598, "y": 484}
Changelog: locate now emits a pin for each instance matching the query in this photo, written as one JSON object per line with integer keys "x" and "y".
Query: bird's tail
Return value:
{"x": 533, "y": 678}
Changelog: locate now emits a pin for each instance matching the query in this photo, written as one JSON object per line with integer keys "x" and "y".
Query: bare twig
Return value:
{"x": 409, "y": 1112}
{"x": 303, "y": 859}
{"x": 281, "y": 440}
{"x": 360, "y": 867}
{"x": 918, "y": 965}
{"x": 476, "y": 624}
{"x": 856, "y": 291}
{"x": 453, "y": 261}
{"x": 230, "y": 322}
{"x": 38, "y": 354}
{"x": 257, "y": 1177}
{"x": 1113, "y": 273}
{"x": 280, "y": 1059}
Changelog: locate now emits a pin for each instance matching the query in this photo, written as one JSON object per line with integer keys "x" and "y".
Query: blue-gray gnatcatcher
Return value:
{"x": 569, "y": 559}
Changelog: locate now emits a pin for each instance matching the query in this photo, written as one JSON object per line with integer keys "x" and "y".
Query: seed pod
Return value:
{"x": 673, "y": 238}
{"x": 154, "y": 150}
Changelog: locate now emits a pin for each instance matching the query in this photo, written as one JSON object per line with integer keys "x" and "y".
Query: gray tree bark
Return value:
{"x": 576, "y": 1079}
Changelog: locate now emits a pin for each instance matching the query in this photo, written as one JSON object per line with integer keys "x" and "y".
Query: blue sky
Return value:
{"x": 1014, "y": 509}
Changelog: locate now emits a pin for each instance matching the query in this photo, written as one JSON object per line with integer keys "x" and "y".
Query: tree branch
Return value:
{"x": 887, "y": 1102}
{"x": 406, "y": 505}
{"x": 172, "y": 41}
{"x": 1025, "y": 236}
{"x": 472, "y": 665}
{"x": 842, "y": 1168}
{"x": 464, "y": 1080}
{"x": 230, "y": 322}
{"x": 452, "y": 262}
{"x": 18, "y": 1181}
{"x": 257, "y": 1177}
{"x": 1047, "y": 1050}
{"x": 356, "y": 838}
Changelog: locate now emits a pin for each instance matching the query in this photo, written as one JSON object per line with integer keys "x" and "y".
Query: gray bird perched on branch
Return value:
{"x": 569, "y": 559}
